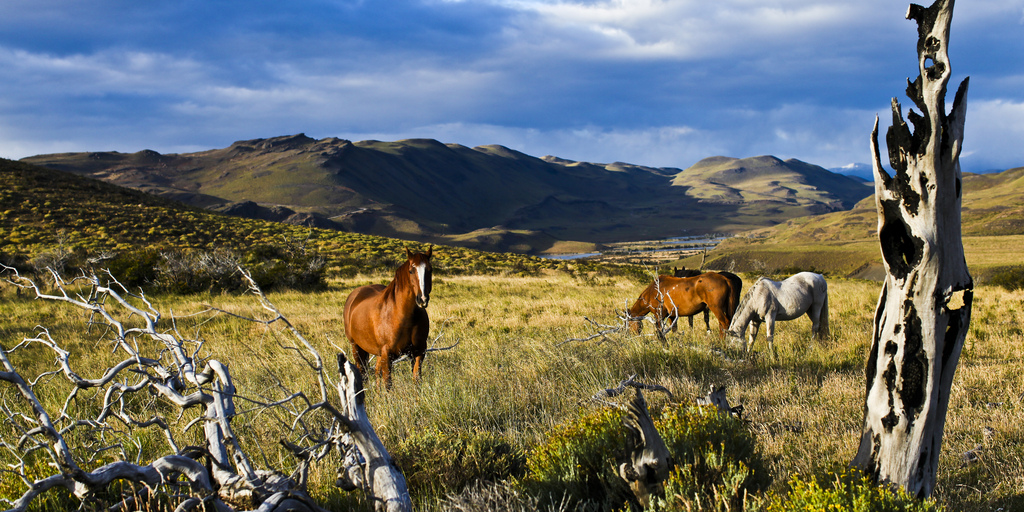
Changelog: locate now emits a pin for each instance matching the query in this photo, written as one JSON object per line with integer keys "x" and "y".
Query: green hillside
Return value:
{"x": 421, "y": 189}
{"x": 43, "y": 209}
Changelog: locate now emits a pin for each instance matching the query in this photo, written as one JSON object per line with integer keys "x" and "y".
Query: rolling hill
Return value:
{"x": 845, "y": 242}
{"x": 45, "y": 211}
{"x": 490, "y": 197}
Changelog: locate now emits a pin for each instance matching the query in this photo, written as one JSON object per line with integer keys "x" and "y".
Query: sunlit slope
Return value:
{"x": 845, "y": 242}
{"x": 769, "y": 179}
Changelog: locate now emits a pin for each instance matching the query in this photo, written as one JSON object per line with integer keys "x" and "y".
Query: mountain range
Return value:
{"x": 488, "y": 197}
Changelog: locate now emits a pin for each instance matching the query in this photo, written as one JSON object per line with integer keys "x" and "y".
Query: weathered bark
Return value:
{"x": 381, "y": 478}
{"x": 924, "y": 308}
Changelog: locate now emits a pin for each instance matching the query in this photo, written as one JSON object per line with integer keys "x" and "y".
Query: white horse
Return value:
{"x": 767, "y": 301}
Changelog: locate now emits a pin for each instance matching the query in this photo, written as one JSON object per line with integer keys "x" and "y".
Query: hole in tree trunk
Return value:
{"x": 956, "y": 300}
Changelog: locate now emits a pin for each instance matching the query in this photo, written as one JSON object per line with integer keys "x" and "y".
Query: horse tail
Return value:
{"x": 736, "y": 285}
{"x": 823, "y": 331}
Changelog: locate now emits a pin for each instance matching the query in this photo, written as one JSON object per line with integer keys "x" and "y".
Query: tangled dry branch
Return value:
{"x": 163, "y": 383}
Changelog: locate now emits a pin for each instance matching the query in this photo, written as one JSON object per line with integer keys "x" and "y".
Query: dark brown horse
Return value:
{"x": 388, "y": 321}
{"x": 737, "y": 286}
{"x": 671, "y": 297}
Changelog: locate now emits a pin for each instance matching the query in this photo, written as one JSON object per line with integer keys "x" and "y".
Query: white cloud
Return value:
{"x": 993, "y": 135}
{"x": 685, "y": 29}
{"x": 29, "y": 74}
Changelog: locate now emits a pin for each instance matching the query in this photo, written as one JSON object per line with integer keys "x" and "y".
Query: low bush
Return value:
{"x": 1009, "y": 278}
{"x": 136, "y": 268}
{"x": 435, "y": 461}
{"x": 717, "y": 464}
{"x": 850, "y": 491}
{"x": 577, "y": 463}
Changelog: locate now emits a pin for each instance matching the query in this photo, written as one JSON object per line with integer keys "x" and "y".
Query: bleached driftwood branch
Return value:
{"x": 162, "y": 383}
{"x": 624, "y": 317}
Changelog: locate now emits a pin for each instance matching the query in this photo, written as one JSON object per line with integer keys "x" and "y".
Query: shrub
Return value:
{"x": 578, "y": 463}
{"x": 434, "y": 461}
{"x": 134, "y": 268}
{"x": 850, "y": 491}
{"x": 195, "y": 271}
{"x": 717, "y": 462}
{"x": 717, "y": 465}
{"x": 286, "y": 267}
{"x": 1010, "y": 278}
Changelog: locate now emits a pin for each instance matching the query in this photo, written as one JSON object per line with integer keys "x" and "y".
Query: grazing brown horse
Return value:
{"x": 391, "y": 320}
{"x": 737, "y": 286}
{"x": 671, "y": 297}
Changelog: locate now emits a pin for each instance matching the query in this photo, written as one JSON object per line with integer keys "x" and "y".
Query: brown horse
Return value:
{"x": 671, "y": 297}
{"x": 737, "y": 286}
{"x": 391, "y": 320}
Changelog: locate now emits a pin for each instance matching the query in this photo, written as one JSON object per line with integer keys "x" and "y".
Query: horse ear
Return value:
{"x": 408, "y": 255}
{"x": 430, "y": 250}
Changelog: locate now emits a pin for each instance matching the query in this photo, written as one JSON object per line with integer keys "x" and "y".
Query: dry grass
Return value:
{"x": 509, "y": 376}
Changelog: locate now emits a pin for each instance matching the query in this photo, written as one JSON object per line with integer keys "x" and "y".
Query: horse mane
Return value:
{"x": 751, "y": 289}
{"x": 393, "y": 285}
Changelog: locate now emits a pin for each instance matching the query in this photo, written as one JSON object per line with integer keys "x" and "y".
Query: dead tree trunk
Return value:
{"x": 924, "y": 308}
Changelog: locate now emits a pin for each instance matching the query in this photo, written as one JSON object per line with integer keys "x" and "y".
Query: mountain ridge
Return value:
{"x": 426, "y": 190}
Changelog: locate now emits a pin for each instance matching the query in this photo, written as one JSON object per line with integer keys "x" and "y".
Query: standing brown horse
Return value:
{"x": 671, "y": 297}
{"x": 737, "y": 287}
{"x": 391, "y": 320}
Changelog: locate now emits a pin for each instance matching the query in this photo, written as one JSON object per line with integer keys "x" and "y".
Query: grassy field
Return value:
{"x": 513, "y": 376}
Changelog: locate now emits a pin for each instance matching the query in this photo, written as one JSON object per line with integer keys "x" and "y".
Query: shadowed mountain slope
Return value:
{"x": 422, "y": 189}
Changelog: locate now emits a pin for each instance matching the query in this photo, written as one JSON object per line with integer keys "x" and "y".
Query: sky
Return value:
{"x": 648, "y": 82}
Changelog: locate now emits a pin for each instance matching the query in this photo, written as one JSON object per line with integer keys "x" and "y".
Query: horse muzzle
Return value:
{"x": 422, "y": 301}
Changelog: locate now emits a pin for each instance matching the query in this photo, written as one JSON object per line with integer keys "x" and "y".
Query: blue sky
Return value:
{"x": 661, "y": 83}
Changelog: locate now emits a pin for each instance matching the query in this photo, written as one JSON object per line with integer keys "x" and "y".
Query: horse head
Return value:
{"x": 636, "y": 326}
{"x": 635, "y": 315}
{"x": 420, "y": 274}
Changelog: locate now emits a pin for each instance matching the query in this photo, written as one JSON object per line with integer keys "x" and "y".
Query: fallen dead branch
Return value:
{"x": 164, "y": 384}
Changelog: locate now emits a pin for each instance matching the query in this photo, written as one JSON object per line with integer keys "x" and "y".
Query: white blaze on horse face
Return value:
{"x": 421, "y": 274}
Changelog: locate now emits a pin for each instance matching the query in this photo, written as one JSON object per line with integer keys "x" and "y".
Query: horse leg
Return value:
{"x": 819, "y": 320}
{"x": 769, "y": 330}
{"x": 384, "y": 367}
{"x": 755, "y": 325}
{"x": 418, "y": 335}
{"x": 723, "y": 324}
{"x": 707, "y": 324}
{"x": 361, "y": 357}
{"x": 417, "y": 362}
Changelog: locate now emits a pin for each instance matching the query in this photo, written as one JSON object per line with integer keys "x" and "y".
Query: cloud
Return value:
{"x": 34, "y": 75}
{"x": 652, "y": 82}
{"x": 992, "y": 135}
{"x": 685, "y": 29}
